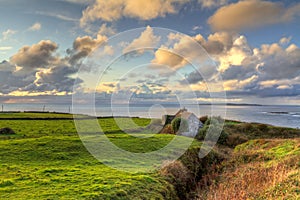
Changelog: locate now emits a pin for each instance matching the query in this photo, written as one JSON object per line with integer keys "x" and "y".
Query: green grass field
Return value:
{"x": 47, "y": 160}
{"x": 40, "y": 115}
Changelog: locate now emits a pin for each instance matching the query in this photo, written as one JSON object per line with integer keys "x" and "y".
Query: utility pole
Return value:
{"x": 44, "y": 108}
{"x": 2, "y": 108}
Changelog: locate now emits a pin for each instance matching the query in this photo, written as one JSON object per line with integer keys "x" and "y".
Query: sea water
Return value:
{"x": 278, "y": 115}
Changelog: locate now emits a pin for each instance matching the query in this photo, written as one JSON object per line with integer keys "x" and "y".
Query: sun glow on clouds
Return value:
{"x": 33, "y": 94}
{"x": 112, "y": 10}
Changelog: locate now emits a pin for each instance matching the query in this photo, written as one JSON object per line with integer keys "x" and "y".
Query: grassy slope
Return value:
{"x": 260, "y": 169}
{"x": 60, "y": 167}
{"x": 47, "y": 160}
{"x": 267, "y": 168}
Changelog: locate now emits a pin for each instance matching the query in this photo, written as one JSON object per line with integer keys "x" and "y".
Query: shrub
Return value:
{"x": 179, "y": 125}
{"x": 168, "y": 129}
{"x": 178, "y": 175}
{"x": 7, "y": 131}
{"x": 263, "y": 127}
{"x": 245, "y": 127}
{"x": 213, "y": 127}
{"x": 236, "y": 139}
{"x": 203, "y": 119}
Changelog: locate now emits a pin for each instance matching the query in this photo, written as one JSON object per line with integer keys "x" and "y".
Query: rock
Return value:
{"x": 6, "y": 131}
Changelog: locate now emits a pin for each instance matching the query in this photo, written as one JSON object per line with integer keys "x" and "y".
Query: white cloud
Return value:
{"x": 5, "y": 48}
{"x": 36, "y": 56}
{"x": 285, "y": 40}
{"x": 146, "y": 39}
{"x": 111, "y": 10}
{"x": 195, "y": 28}
{"x": 251, "y": 14}
{"x": 8, "y": 33}
{"x": 58, "y": 16}
{"x": 106, "y": 30}
{"x": 83, "y": 46}
{"x": 35, "y": 27}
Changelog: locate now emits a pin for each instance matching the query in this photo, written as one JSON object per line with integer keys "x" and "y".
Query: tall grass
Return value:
{"x": 260, "y": 169}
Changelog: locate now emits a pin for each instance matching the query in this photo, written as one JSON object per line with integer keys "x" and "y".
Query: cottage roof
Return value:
{"x": 186, "y": 115}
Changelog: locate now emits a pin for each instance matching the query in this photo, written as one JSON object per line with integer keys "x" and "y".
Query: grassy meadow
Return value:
{"x": 46, "y": 159}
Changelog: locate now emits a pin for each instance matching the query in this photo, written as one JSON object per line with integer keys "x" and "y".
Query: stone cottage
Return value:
{"x": 193, "y": 122}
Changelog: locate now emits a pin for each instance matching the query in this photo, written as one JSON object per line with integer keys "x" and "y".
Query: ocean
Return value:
{"x": 277, "y": 115}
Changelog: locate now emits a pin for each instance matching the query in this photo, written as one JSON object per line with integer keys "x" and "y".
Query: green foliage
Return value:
{"x": 180, "y": 125}
{"x": 177, "y": 174}
{"x": 203, "y": 119}
{"x": 213, "y": 130}
{"x": 256, "y": 130}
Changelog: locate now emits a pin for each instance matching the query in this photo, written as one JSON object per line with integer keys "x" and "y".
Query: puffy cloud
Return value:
{"x": 277, "y": 62}
{"x": 192, "y": 78}
{"x": 111, "y": 10}
{"x": 83, "y": 46}
{"x": 106, "y": 30}
{"x": 236, "y": 84}
{"x": 9, "y": 81}
{"x": 181, "y": 50}
{"x": 250, "y": 14}
{"x": 35, "y": 69}
{"x": 227, "y": 49}
{"x": 147, "y": 10}
{"x": 244, "y": 70}
{"x": 35, "y": 27}
{"x": 217, "y": 43}
{"x": 6, "y": 66}
{"x": 56, "y": 78}
{"x": 270, "y": 70}
{"x": 36, "y": 56}
{"x": 146, "y": 39}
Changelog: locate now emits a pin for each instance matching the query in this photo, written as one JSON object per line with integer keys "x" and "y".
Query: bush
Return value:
{"x": 236, "y": 139}
{"x": 168, "y": 129}
{"x": 246, "y": 127}
{"x": 203, "y": 119}
{"x": 6, "y": 131}
{"x": 178, "y": 175}
{"x": 180, "y": 125}
{"x": 263, "y": 127}
{"x": 213, "y": 127}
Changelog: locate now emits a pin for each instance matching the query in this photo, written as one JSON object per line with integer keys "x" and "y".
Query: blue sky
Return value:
{"x": 254, "y": 43}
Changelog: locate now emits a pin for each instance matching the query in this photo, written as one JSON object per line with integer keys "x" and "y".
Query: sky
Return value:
{"x": 196, "y": 51}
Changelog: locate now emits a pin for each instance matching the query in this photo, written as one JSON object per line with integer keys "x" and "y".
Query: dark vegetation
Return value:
{"x": 7, "y": 131}
{"x": 179, "y": 125}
